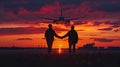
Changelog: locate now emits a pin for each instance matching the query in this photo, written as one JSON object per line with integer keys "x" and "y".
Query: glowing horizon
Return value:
{"x": 87, "y": 32}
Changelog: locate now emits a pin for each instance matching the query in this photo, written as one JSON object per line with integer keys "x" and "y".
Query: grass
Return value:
{"x": 60, "y": 60}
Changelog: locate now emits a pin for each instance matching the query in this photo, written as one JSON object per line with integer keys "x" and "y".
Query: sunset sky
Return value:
{"x": 21, "y": 24}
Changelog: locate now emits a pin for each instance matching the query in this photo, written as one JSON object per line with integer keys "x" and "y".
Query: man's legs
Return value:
{"x": 49, "y": 49}
{"x": 49, "y": 46}
{"x": 74, "y": 49}
{"x": 69, "y": 48}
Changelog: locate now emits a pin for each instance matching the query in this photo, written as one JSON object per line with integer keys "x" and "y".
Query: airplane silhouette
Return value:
{"x": 61, "y": 18}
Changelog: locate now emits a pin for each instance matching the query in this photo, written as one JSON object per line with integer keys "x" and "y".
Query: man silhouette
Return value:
{"x": 49, "y": 35}
{"x": 72, "y": 39}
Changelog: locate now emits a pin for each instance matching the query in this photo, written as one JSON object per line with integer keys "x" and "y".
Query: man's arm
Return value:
{"x": 45, "y": 34}
{"x": 65, "y": 35}
{"x": 57, "y": 35}
{"x": 77, "y": 37}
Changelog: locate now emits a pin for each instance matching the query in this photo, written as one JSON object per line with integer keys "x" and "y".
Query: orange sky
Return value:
{"x": 88, "y": 33}
{"x": 22, "y": 23}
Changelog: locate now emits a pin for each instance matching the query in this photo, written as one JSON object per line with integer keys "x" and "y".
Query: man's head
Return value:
{"x": 50, "y": 25}
{"x": 72, "y": 27}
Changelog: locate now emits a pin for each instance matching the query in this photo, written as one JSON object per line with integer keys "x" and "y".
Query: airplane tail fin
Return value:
{"x": 61, "y": 10}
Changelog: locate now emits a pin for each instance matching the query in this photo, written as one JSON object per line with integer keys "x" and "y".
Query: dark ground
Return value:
{"x": 60, "y": 60}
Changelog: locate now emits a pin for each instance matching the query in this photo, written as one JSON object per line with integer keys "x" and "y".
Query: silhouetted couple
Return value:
{"x": 72, "y": 38}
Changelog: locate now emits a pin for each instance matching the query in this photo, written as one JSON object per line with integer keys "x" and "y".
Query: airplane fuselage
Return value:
{"x": 61, "y": 18}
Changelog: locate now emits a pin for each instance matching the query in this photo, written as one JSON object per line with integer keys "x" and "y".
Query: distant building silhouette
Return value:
{"x": 113, "y": 48}
{"x": 90, "y": 45}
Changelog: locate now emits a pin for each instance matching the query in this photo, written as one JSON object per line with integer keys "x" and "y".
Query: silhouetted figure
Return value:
{"x": 49, "y": 35}
{"x": 72, "y": 39}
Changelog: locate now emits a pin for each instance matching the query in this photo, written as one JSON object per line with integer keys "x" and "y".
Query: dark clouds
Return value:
{"x": 104, "y": 39}
{"x": 28, "y": 5}
{"x": 116, "y": 30}
{"x": 106, "y": 29}
{"x": 112, "y": 7}
{"x": 24, "y": 39}
{"x": 26, "y": 30}
{"x": 97, "y": 23}
{"x": 33, "y": 5}
{"x": 27, "y": 10}
{"x": 115, "y": 24}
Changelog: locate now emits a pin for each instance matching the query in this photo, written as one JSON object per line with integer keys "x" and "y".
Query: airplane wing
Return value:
{"x": 48, "y": 18}
{"x": 72, "y": 19}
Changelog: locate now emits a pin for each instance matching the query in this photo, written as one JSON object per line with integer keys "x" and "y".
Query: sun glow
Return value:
{"x": 59, "y": 49}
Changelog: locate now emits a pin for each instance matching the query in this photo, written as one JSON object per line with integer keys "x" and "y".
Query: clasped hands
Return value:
{"x": 61, "y": 37}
